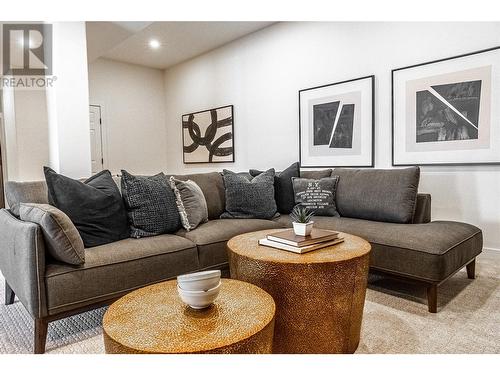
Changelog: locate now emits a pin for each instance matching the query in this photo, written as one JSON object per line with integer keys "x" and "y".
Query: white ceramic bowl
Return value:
{"x": 199, "y": 299}
{"x": 199, "y": 281}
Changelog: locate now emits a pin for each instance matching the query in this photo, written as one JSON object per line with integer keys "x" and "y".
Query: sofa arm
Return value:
{"x": 423, "y": 210}
{"x": 22, "y": 261}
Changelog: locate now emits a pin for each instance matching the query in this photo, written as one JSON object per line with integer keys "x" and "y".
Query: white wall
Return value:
{"x": 26, "y": 146}
{"x": 32, "y": 134}
{"x": 51, "y": 126}
{"x": 133, "y": 110}
{"x": 68, "y": 101}
{"x": 261, "y": 74}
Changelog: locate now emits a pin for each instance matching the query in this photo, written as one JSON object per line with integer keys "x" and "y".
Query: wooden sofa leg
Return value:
{"x": 432, "y": 298}
{"x": 471, "y": 269}
{"x": 41, "y": 326}
{"x": 9, "y": 294}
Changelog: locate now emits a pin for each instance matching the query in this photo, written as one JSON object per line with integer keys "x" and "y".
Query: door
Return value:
{"x": 96, "y": 139}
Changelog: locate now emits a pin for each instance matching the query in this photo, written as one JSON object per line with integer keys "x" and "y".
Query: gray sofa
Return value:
{"x": 423, "y": 250}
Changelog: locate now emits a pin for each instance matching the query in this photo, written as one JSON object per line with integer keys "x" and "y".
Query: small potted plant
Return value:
{"x": 302, "y": 224}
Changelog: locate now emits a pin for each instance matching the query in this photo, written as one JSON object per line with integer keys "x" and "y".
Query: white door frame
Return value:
{"x": 104, "y": 136}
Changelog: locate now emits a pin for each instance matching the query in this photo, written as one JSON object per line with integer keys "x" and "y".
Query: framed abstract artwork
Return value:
{"x": 207, "y": 136}
{"x": 337, "y": 124}
{"x": 447, "y": 112}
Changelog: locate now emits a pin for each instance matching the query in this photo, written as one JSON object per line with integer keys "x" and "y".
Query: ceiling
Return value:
{"x": 179, "y": 41}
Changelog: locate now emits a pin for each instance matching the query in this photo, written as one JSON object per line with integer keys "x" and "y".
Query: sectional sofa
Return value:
{"x": 423, "y": 250}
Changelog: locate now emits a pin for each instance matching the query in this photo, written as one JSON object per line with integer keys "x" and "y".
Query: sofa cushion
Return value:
{"x": 150, "y": 204}
{"x": 316, "y": 174}
{"x": 249, "y": 199}
{"x": 25, "y": 192}
{"x": 212, "y": 236}
{"x": 62, "y": 239}
{"x": 283, "y": 188}
{"x": 212, "y": 185}
{"x": 116, "y": 268}
{"x": 423, "y": 209}
{"x": 431, "y": 251}
{"x": 95, "y": 206}
{"x": 388, "y": 195}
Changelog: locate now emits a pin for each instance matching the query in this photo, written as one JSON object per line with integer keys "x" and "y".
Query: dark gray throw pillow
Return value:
{"x": 95, "y": 206}
{"x": 249, "y": 199}
{"x": 388, "y": 195}
{"x": 283, "y": 188}
{"x": 150, "y": 204}
{"x": 317, "y": 195}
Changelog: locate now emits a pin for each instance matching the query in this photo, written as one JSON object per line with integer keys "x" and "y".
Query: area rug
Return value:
{"x": 395, "y": 318}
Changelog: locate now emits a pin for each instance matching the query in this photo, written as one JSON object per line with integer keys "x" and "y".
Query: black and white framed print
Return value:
{"x": 336, "y": 124}
{"x": 446, "y": 112}
{"x": 207, "y": 136}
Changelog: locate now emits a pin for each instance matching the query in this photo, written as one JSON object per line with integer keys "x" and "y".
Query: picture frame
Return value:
{"x": 443, "y": 111}
{"x": 337, "y": 124}
{"x": 208, "y": 136}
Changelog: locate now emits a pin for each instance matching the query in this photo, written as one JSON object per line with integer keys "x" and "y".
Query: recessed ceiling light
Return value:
{"x": 154, "y": 44}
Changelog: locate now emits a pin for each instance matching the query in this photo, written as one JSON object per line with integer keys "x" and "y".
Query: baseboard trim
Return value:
{"x": 491, "y": 249}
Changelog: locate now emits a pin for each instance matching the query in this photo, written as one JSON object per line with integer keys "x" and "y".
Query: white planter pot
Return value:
{"x": 303, "y": 229}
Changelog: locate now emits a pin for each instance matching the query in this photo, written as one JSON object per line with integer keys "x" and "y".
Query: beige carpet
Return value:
{"x": 395, "y": 318}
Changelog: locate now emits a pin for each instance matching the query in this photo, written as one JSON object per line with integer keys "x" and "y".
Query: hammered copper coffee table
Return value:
{"x": 319, "y": 295}
{"x": 154, "y": 320}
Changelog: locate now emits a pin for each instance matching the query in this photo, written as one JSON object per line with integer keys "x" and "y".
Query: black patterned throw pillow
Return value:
{"x": 249, "y": 198}
{"x": 283, "y": 188}
{"x": 317, "y": 195}
{"x": 150, "y": 204}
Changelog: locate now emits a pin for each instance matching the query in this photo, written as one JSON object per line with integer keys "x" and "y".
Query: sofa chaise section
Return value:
{"x": 428, "y": 252}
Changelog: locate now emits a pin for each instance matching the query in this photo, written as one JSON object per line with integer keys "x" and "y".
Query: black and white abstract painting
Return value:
{"x": 208, "y": 136}
{"x": 333, "y": 124}
{"x": 444, "y": 112}
{"x": 448, "y": 112}
{"x": 336, "y": 124}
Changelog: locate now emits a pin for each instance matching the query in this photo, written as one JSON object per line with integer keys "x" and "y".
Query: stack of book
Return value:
{"x": 289, "y": 241}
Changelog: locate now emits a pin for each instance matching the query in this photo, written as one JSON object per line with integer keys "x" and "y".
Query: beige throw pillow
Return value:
{"x": 61, "y": 236}
{"x": 191, "y": 203}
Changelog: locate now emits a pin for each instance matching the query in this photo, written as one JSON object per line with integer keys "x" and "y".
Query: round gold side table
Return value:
{"x": 154, "y": 320}
{"x": 319, "y": 295}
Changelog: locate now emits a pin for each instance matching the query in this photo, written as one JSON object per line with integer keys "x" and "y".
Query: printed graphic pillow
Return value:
{"x": 317, "y": 195}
